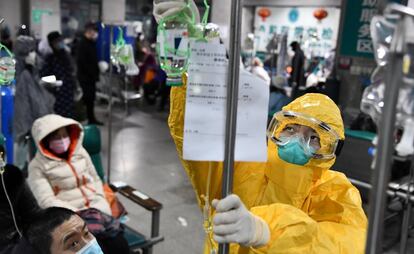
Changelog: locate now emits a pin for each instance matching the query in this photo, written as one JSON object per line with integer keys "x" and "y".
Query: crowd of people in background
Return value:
{"x": 49, "y": 74}
{"x": 75, "y": 67}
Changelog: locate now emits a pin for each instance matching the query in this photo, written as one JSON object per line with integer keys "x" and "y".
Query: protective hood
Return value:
{"x": 47, "y": 124}
{"x": 294, "y": 181}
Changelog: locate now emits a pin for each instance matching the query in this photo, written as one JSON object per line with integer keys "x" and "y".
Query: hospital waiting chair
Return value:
{"x": 137, "y": 242}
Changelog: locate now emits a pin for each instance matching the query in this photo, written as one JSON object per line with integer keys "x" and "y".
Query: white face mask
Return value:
{"x": 291, "y": 53}
{"x": 31, "y": 58}
{"x": 95, "y": 36}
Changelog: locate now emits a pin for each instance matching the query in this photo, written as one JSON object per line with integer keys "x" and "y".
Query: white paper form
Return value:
{"x": 205, "y": 112}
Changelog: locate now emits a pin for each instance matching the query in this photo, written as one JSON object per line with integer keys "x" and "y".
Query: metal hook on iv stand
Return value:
{"x": 381, "y": 175}
{"x": 232, "y": 99}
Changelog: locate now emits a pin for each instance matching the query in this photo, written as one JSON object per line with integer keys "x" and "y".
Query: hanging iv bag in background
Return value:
{"x": 7, "y": 66}
{"x": 382, "y": 31}
{"x": 123, "y": 54}
{"x": 372, "y": 101}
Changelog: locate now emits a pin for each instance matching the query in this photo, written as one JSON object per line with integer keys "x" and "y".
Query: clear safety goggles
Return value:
{"x": 323, "y": 142}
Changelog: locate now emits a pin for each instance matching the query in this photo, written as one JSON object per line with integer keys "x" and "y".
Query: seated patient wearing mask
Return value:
{"x": 58, "y": 230}
{"x": 62, "y": 173}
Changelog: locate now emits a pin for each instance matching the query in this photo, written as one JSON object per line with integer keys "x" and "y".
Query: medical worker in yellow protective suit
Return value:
{"x": 293, "y": 203}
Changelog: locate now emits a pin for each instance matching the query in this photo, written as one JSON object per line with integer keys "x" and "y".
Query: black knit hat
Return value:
{"x": 91, "y": 26}
{"x": 53, "y": 36}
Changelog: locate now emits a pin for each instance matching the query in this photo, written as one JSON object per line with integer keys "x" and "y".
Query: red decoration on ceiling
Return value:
{"x": 320, "y": 14}
{"x": 264, "y": 13}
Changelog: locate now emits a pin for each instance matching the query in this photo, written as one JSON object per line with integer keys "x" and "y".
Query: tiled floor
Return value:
{"x": 144, "y": 156}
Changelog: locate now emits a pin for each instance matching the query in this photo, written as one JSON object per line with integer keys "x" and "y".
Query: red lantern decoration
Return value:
{"x": 320, "y": 14}
{"x": 264, "y": 13}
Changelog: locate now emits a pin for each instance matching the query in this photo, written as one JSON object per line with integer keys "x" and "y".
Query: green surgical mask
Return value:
{"x": 295, "y": 151}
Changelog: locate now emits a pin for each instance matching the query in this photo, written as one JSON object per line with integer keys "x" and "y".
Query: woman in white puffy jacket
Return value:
{"x": 62, "y": 173}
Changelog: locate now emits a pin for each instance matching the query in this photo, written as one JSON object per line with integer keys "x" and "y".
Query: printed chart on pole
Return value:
{"x": 205, "y": 112}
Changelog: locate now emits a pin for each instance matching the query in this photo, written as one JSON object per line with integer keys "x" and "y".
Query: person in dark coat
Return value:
{"x": 24, "y": 207}
{"x": 88, "y": 70}
{"x": 32, "y": 100}
{"x": 297, "y": 77}
{"x": 58, "y": 63}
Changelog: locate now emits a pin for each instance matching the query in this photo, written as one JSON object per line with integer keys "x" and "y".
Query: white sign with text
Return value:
{"x": 205, "y": 111}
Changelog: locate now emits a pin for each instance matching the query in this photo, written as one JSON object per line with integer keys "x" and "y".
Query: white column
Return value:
{"x": 10, "y": 11}
{"x": 45, "y": 17}
{"x": 113, "y": 11}
{"x": 410, "y": 3}
{"x": 220, "y": 15}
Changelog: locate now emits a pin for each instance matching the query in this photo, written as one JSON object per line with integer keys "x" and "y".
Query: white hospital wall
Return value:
{"x": 10, "y": 11}
{"x": 113, "y": 11}
{"x": 221, "y": 9}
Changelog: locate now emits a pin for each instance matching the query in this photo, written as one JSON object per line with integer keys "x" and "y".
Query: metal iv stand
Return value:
{"x": 232, "y": 99}
{"x": 1, "y": 23}
{"x": 393, "y": 80}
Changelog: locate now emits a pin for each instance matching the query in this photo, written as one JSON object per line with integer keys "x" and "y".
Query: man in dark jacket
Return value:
{"x": 88, "y": 70}
{"x": 297, "y": 77}
{"x": 20, "y": 203}
{"x": 58, "y": 63}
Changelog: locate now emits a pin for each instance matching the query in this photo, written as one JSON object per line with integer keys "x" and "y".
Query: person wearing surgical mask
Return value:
{"x": 62, "y": 174}
{"x": 59, "y": 64}
{"x": 294, "y": 202}
{"x": 58, "y": 230}
{"x": 32, "y": 100}
{"x": 88, "y": 69}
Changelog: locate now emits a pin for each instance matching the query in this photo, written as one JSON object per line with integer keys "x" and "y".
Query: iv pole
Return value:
{"x": 232, "y": 99}
{"x": 381, "y": 174}
{"x": 1, "y": 24}
{"x": 108, "y": 174}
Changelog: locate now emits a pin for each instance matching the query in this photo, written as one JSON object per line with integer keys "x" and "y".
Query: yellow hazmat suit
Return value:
{"x": 309, "y": 209}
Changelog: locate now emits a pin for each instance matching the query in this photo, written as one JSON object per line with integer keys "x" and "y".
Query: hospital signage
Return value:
{"x": 356, "y": 35}
{"x": 317, "y": 37}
